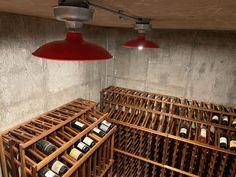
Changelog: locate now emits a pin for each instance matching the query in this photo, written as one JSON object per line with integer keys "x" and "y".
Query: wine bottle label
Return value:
{"x": 130, "y": 110}
{"x": 155, "y": 104}
{"x": 96, "y": 130}
{"x": 183, "y": 130}
{"x": 88, "y": 141}
{"x": 203, "y": 132}
{"x": 75, "y": 153}
{"x": 223, "y": 140}
{"x": 193, "y": 125}
{"x": 153, "y": 115}
{"x": 215, "y": 118}
{"x": 81, "y": 145}
{"x": 232, "y": 143}
{"x": 104, "y": 127}
{"x": 79, "y": 124}
{"x": 56, "y": 167}
{"x": 50, "y": 174}
{"x": 225, "y": 118}
{"x": 234, "y": 122}
{"x": 47, "y": 146}
{"x": 212, "y": 129}
{"x": 106, "y": 123}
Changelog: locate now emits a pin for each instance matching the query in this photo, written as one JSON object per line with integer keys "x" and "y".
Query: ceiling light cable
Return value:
{"x": 118, "y": 12}
{"x": 142, "y": 25}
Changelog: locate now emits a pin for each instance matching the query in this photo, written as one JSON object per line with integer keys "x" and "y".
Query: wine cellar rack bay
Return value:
{"x": 159, "y": 135}
{"x": 130, "y": 134}
{"x": 63, "y": 142}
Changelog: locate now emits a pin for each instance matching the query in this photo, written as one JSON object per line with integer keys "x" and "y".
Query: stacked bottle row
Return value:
{"x": 170, "y": 132}
{"x": 132, "y": 99}
{"x": 95, "y": 165}
{"x": 172, "y": 153}
{"x": 44, "y": 147}
{"x": 73, "y": 129}
{"x": 121, "y": 94}
{"x": 213, "y": 129}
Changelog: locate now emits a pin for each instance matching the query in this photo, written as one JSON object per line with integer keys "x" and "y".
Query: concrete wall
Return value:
{"x": 30, "y": 86}
{"x": 195, "y": 64}
{"x": 199, "y": 65}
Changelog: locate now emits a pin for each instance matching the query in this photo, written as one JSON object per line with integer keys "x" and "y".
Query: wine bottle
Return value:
{"x": 234, "y": 122}
{"x": 223, "y": 141}
{"x": 58, "y": 167}
{"x": 197, "y": 160}
{"x": 82, "y": 146}
{"x": 232, "y": 144}
{"x": 78, "y": 125}
{"x": 193, "y": 131}
{"x": 46, "y": 147}
{"x": 206, "y": 163}
{"x": 89, "y": 141}
{"x": 225, "y": 120}
{"x": 75, "y": 153}
{"x": 179, "y": 111}
{"x": 46, "y": 172}
{"x": 203, "y": 134}
{"x": 212, "y": 135}
{"x": 98, "y": 132}
{"x": 187, "y": 112}
{"x": 105, "y": 126}
{"x": 183, "y": 130}
{"x": 215, "y": 119}
{"x": 195, "y": 114}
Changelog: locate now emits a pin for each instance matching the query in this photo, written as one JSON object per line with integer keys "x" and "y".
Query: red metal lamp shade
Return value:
{"x": 140, "y": 42}
{"x": 73, "y": 48}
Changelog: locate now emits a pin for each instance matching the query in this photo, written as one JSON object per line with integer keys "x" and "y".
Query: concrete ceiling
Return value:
{"x": 168, "y": 14}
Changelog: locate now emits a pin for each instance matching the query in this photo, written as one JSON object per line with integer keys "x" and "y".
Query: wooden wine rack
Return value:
{"x": 21, "y": 158}
{"x": 148, "y": 143}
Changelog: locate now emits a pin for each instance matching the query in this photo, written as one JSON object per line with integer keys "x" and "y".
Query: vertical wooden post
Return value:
{"x": 3, "y": 158}
{"x": 112, "y": 154}
{"x": 22, "y": 158}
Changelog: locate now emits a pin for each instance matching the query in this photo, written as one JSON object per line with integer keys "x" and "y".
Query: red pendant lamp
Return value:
{"x": 141, "y": 42}
{"x": 74, "y": 47}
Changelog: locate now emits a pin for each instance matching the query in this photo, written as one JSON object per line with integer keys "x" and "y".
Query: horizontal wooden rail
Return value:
{"x": 172, "y": 115}
{"x": 156, "y": 132}
{"x": 155, "y": 163}
{"x": 168, "y": 102}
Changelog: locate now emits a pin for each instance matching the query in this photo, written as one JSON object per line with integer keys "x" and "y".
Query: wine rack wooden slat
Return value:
{"x": 162, "y": 117}
{"x": 18, "y": 144}
{"x": 159, "y": 98}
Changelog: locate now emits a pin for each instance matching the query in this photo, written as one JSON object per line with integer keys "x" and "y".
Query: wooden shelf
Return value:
{"x": 170, "y": 115}
{"x": 18, "y": 144}
{"x": 140, "y": 94}
{"x": 148, "y": 129}
{"x": 156, "y": 132}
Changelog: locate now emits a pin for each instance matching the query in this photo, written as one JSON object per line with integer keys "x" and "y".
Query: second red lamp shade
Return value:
{"x": 140, "y": 42}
